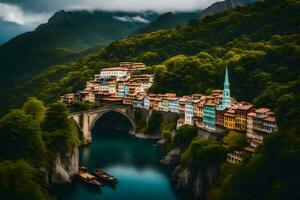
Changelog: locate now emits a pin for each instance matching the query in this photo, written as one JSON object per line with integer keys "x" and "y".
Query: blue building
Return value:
{"x": 209, "y": 116}
{"x": 126, "y": 90}
{"x": 226, "y": 100}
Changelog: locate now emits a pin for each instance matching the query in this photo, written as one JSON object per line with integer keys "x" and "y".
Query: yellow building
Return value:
{"x": 229, "y": 119}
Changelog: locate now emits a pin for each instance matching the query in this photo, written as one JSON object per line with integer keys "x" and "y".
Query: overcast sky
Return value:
{"x": 34, "y": 12}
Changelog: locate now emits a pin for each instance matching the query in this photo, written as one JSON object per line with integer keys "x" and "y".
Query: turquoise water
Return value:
{"x": 135, "y": 163}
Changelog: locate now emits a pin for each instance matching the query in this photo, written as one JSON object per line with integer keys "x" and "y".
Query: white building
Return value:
{"x": 114, "y": 72}
{"x": 173, "y": 105}
{"x": 189, "y": 112}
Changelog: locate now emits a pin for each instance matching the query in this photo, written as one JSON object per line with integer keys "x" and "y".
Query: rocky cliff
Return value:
{"x": 65, "y": 168}
{"x": 192, "y": 182}
{"x": 195, "y": 182}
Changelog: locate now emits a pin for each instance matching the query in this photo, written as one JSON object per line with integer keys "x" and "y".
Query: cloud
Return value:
{"x": 140, "y": 5}
{"x": 120, "y": 5}
{"x": 12, "y": 13}
{"x": 132, "y": 19}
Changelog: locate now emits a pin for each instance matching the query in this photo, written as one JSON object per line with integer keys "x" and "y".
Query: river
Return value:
{"x": 135, "y": 163}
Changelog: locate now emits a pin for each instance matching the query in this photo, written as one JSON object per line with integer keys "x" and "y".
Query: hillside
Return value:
{"x": 169, "y": 20}
{"x": 222, "y": 6}
{"x": 62, "y": 39}
{"x": 252, "y": 39}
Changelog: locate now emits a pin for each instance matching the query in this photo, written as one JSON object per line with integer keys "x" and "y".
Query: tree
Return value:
{"x": 60, "y": 132}
{"x": 203, "y": 153}
{"x": 18, "y": 182}
{"x": 35, "y": 108}
{"x": 21, "y": 137}
{"x": 235, "y": 140}
{"x": 184, "y": 136}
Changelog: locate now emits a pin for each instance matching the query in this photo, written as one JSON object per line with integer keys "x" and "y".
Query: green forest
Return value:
{"x": 260, "y": 43}
{"x": 30, "y": 139}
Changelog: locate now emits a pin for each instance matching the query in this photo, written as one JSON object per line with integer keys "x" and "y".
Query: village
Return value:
{"x": 127, "y": 84}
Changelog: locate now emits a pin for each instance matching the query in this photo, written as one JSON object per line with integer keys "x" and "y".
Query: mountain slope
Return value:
{"x": 251, "y": 32}
{"x": 62, "y": 38}
{"x": 222, "y": 6}
{"x": 169, "y": 20}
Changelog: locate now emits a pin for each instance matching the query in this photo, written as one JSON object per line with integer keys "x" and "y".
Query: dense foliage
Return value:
{"x": 184, "y": 135}
{"x": 235, "y": 141}
{"x": 273, "y": 174}
{"x": 30, "y": 138}
{"x": 20, "y": 181}
{"x": 202, "y": 153}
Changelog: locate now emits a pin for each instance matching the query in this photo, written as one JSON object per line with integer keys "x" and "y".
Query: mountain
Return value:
{"x": 222, "y": 6}
{"x": 63, "y": 38}
{"x": 169, "y": 20}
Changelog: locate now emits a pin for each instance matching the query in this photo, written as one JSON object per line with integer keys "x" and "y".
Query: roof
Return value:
{"x": 270, "y": 119}
{"x": 252, "y": 114}
{"x": 181, "y": 120}
{"x": 115, "y": 69}
{"x": 262, "y": 110}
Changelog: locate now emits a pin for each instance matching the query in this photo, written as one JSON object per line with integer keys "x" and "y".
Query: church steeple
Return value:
{"x": 226, "y": 100}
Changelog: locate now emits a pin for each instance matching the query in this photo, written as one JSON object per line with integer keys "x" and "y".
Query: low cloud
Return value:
{"x": 140, "y": 5}
{"x": 14, "y": 14}
{"x": 132, "y": 19}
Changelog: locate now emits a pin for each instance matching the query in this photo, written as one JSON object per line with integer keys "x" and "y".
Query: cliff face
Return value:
{"x": 64, "y": 168}
{"x": 195, "y": 183}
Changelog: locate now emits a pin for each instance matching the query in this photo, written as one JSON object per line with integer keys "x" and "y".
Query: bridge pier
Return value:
{"x": 87, "y": 132}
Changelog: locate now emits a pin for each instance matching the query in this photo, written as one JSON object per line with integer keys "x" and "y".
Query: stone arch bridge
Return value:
{"x": 86, "y": 120}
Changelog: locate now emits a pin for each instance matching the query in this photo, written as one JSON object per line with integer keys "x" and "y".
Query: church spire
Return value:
{"x": 226, "y": 99}
{"x": 226, "y": 80}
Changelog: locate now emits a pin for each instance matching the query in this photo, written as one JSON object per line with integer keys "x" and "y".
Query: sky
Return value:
{"x": 28, "y": 14}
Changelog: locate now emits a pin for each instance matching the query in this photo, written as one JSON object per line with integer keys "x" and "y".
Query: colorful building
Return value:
{"x": 189, "y": 112}
{"x": 241, "y": 112}
{"x": 114, "y": 72}
{"x": 209, "y": 116}
{"x": 229, "y": 118}
{"x": 173, "y": 104}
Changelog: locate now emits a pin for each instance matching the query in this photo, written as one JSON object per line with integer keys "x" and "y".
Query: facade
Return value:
{"x": 209, "y": 116}
{"x": 133, "y": 66}
{"x": 182, "y": 102}
{"x": 229, "y": 119}
{"x": 173, "y": 105}
{"x": 114, "y": 72}
{"x": 164, "y": 105}
{"x": 261, "y": 123}
{"x": 220, "y": 117}
{"x": 189, "y": 112}
{"x": 87, "y": 96}
{"x": 241, "y": 114}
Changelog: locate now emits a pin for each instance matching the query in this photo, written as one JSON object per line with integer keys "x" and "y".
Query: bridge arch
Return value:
{"x": 86, "y": 119}
{"x": 99, "y": 115}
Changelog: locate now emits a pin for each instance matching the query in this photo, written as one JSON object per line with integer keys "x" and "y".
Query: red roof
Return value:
{"x": 262, "y": 110}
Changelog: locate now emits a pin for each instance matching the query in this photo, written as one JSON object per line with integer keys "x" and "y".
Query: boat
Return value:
{"x": 107, "y": 178}
{"x": 88, "y": 178}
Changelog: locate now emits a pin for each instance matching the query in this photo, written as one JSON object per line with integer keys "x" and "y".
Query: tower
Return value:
{"x": 226, "y": 100}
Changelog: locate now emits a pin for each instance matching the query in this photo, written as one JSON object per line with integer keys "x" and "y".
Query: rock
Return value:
{"x": 195, "y": 183}
{"x": 183, "y": 178}
{"x": 172, "y": 158}
{"x": 64, "y": 168}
